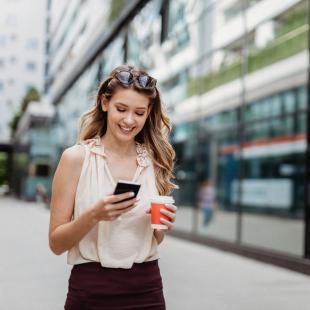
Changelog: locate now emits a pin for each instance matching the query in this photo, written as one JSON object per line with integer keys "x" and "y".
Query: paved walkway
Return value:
{"x": 195, "y": 277}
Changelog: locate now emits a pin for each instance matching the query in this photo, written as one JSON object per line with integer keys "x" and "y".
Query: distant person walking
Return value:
{"x": 206, "y": 200}
{"x": 110, "y": 242}
{"x": 42, "y": 195}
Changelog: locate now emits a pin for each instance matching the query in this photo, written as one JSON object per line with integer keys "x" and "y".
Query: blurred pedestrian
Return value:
{"x": 41, "y": 194}
{"x": 206, "y": 200}
{"x": 110, "y": 242}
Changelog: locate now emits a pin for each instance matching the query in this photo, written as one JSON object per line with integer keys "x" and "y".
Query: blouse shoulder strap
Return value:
{"x": 94, "y": 146}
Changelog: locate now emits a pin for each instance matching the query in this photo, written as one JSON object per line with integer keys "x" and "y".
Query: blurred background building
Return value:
{"x": 22, "y": 56}
{"x": 22, "y": 70}
{"x": 234, "y": 77}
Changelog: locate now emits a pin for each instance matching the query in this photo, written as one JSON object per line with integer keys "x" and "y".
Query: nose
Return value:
{"x": 129, "y": 119}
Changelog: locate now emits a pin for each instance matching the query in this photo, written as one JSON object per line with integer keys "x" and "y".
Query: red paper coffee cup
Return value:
{"x": 157, "y": 203}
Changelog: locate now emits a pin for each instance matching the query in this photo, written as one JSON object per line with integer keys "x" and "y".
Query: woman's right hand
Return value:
{"x": 112, "y": 206}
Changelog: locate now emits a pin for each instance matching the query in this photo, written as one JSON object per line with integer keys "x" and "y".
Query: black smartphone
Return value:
{"x": 125, "y": 187}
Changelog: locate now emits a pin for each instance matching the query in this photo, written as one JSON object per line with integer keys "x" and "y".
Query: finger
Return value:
{"x": 171, "y": 215}
{"x": 125, "y": 204}
{"x": 107, "y": 197}
{"x": 122, "y": 211}
{"x": 172, "y": 207}
{"x": 167, "y": 223}
{"x": 120, "y": 204}
{"x": 148, "y": 211}
{"x": 119, "y": 197}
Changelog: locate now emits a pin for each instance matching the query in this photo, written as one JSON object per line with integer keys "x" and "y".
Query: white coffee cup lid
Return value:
{"x": 162, "y": 199}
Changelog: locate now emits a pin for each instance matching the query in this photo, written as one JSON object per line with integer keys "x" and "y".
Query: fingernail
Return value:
{"x": 131, "y": 194}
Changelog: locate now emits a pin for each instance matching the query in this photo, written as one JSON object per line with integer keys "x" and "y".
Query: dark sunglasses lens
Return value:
{"x": 124, "y": 77}
{"x": 144, "y": 80}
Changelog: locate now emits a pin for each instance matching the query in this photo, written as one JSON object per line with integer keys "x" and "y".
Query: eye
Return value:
{"x": 140, "y": 114}
{"x": 121, "y": 110}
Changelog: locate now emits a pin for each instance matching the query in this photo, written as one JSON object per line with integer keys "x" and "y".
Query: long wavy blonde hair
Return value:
{"x": 154, "y": 134}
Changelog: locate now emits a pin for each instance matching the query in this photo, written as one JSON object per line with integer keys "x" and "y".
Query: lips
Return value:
{"x": 126, "y": 130}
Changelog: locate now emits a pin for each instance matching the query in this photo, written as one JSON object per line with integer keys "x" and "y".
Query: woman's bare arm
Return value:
{"x": 64, "y": 232}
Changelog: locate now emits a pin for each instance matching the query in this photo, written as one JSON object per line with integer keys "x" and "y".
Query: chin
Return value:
{"x": 126, "y": 137}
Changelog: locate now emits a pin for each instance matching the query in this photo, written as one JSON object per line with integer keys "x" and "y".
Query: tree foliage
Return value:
{"x": 117, "y": 7}
{"x": 32, "y": 94}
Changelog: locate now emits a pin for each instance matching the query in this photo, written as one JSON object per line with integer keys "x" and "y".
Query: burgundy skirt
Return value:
{"x": 93, "y": 287}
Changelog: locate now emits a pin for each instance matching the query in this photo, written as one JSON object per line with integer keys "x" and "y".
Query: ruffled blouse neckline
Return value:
{"x": 95, "y": 146}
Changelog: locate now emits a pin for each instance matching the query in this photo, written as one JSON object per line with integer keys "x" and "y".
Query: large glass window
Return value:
{"x": 184, "y": 140}
{"x": 289, "y": 102}
{"x": 248, "y": 150}
{"x": 301, "y": 98}
{"x": 177, "y": 25}
{"x": 32, "y": 43}
{"x": 31, "y": 66}
{"x": 77, "y": 100}
{"x": 143, "y": 34}
{"x": 272, "y": 188}
{"x": 272, "y": 195}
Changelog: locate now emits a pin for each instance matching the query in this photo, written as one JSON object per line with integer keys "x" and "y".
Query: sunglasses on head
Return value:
{"x": 127, "y": 77}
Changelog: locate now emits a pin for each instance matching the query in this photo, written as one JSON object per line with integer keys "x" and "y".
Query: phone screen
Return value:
{"x": 125, "y": 187}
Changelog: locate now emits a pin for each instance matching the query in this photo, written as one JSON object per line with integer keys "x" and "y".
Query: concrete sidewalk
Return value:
{"x": 195, "y": 277}
{"x": 202, "y": 278}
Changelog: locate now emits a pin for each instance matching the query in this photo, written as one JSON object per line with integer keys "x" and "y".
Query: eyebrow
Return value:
{"x": 125, "y": 105}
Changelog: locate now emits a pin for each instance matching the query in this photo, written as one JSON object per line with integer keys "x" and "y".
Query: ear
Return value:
{"x": 104, "y": 103}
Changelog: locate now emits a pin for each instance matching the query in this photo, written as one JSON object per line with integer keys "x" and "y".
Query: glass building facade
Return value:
{"x": 234, "y": 77}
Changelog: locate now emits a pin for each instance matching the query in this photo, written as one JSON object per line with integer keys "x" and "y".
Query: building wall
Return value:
{"x": 73, "y": 24}
{"x": 22, "y": 52}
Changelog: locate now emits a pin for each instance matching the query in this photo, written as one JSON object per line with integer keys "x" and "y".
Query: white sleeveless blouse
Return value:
{"x": 128, "y": 239}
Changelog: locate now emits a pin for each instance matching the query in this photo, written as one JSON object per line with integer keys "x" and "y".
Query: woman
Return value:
{"x": 206, "y": 200}
{"x": 110, "y": 242}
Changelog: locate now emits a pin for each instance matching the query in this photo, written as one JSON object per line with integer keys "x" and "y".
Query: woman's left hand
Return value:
{"x": 171, "y": 214}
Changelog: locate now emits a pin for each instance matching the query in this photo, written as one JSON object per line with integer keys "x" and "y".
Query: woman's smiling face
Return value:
{"x": 127, "y": 112}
